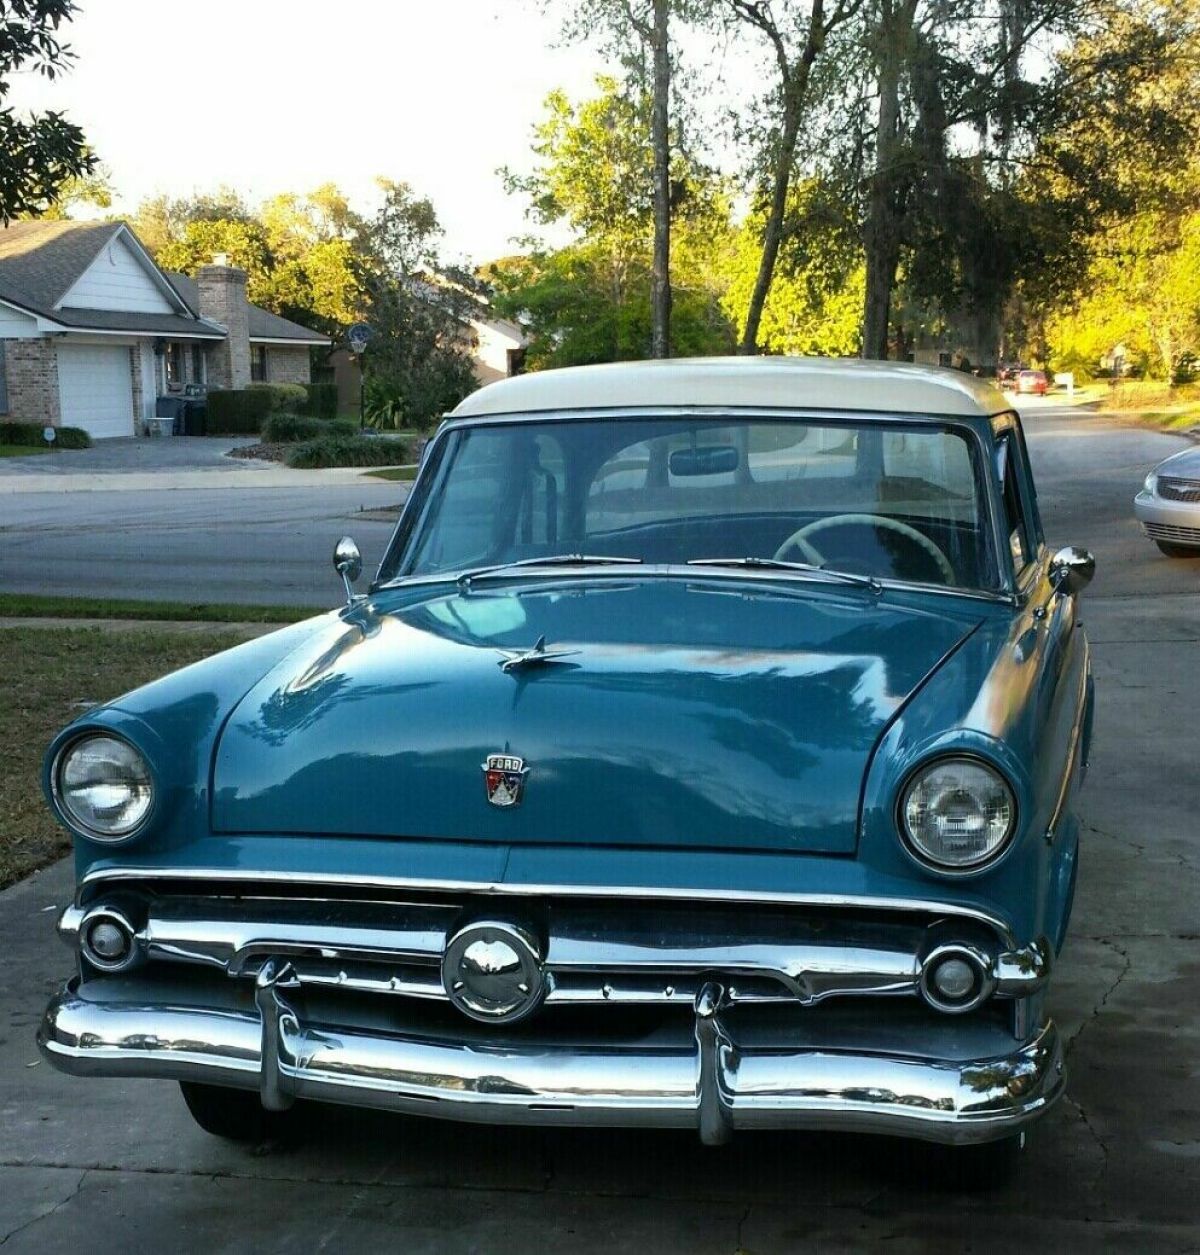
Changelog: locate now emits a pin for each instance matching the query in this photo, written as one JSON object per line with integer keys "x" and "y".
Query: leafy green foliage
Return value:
{"x": 321, "y": 399}
{"x": 284, "y": 396}
{"x": 236, "y": 412}
{"x": 348, "y": 451}
{"x": 589, "y": 301}
{"x": 30, "y": 435}
{"x": 815, "y": 301}
{"x": 291, "y": 428}
{"x": 39, "y": 153}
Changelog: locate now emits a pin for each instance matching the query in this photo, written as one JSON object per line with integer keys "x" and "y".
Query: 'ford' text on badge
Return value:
{"x": 504, "y": 778}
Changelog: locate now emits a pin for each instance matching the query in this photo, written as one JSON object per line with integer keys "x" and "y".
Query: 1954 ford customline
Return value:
{"x": 703, "y": 754}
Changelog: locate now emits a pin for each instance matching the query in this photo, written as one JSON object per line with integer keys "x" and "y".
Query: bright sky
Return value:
{"x": 281, "y": 95}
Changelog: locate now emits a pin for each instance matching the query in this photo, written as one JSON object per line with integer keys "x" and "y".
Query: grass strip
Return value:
{"x": 52, "y": 676}
{"x": 35, "y": 605}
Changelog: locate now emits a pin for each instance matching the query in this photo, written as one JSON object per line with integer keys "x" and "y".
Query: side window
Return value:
{"x": 1015, "y": 514}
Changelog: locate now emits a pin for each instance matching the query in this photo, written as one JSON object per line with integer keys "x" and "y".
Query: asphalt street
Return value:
{"x": 113, "y": 1165}
{"x": 250, "y": 545}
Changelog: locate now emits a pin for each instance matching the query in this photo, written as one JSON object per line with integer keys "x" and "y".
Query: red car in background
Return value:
{"x": 1033, "y": 381}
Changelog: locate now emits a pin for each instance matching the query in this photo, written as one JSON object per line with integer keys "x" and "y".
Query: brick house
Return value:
{"x": 92, "y": 331}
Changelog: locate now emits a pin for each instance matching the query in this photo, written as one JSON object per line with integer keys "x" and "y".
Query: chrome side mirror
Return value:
{"x": 1071, "y": 570}
{"x": 347, "y": 562}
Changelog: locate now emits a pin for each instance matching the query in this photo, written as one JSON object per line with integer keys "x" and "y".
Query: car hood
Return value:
{"x": 1185, "y": 464}
{"x": 706, "y": 712}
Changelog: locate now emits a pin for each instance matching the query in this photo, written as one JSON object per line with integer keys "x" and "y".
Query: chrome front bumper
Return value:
{"x": 709, "y": 1075}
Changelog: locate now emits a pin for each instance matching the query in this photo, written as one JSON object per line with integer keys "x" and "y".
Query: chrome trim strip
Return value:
{"x": 401, "y": 949}
{"x": 1073, "y": 746}
{"x": 930, "y": 906}
{"x": 706, "y": 1080}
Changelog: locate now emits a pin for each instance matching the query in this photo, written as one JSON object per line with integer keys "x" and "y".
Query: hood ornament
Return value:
{"x": 514, "y": 660}
{"x": 504, "y": 779}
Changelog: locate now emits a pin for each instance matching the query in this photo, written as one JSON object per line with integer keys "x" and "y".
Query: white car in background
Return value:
{"x": 1168, "y": 507}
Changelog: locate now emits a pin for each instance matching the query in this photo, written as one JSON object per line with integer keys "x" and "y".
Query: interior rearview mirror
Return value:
{"x": 705, "y": 459}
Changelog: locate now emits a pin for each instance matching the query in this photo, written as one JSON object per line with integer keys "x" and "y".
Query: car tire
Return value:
{"x": 235, "y": 1114}
{"x": 1177, "y": 551}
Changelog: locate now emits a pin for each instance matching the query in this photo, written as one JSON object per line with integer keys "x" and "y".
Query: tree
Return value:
{"x": 40, "y": 153}
{"x": 796, "y": 39}
{"x": 1116, "y": 182}
{"x": 419, "y": 361}
{"x": 814, "y": 305}
{"x": 88, "y": 189}
{"x": 636, "y": 34}
{"x": 593, "y": 300}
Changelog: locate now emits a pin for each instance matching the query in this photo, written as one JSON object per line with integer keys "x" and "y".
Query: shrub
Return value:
{"x": 27, "y": 434}
{"x": 342, "y": 427}
{"x": 289, "y": 428}
{"x": 284, "y": 396}
{"x": 321, "y": 400}
{"x": 237, "y": 413}
{"x": 348, "y": 451}
{"x": 1145, "y": 394}
{"x": 20, "y": 433}
{"x": 72, "y": 438}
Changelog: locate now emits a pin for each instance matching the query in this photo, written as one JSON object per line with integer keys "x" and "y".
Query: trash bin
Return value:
{"x": 171, "y": 407}
{"x": 195, "y": 417}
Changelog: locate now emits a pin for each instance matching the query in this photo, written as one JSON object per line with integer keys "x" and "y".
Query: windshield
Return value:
{"x": 883, "y": 499}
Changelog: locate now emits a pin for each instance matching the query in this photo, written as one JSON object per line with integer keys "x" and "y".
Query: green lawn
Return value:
{"x": 52, "y": 675}
{"x": 32, "y": 605}
{"x": 22, "y": 450}
{"x": 395, "y": 472}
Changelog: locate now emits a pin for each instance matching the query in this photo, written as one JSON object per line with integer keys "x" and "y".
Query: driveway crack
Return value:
{"x": 70, "y": 1198}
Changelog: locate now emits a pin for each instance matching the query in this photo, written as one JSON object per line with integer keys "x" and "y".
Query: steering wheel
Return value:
{"x": 800, "y": 539}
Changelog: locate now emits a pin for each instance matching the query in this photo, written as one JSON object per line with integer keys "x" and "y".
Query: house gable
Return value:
{"x": 118, "y": 279}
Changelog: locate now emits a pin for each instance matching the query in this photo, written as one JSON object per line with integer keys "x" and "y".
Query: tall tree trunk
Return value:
{"x": 882, "y": 226}
{"x": 660, "y": 293}
{"x": 795, "y": 90}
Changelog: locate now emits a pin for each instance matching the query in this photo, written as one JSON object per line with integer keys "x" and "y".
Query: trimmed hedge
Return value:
{"x": 290, "y": 428}
{"x": 321, "y": 400}
{"x": 30, "y": 434}
{"x": 348, "y": 451}
{"x": 284, "y": 396}
{"x": 237, "y": 413}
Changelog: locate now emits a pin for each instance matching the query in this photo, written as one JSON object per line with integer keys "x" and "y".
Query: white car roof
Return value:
{"x": 792, "y": 383}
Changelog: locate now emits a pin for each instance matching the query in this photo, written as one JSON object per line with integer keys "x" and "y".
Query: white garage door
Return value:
{"x": 95, "y": 389}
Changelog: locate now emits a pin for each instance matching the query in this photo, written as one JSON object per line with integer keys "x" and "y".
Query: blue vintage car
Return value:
{"x": 702, "y": 754}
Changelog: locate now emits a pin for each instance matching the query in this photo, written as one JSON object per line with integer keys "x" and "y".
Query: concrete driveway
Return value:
{"x": 131, "y": 455}
{"x": 107, "y": 1166}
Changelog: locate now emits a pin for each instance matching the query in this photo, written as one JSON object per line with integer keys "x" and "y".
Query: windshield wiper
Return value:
{"x": 558, "y": 559}
{"x": 799, "y": 568}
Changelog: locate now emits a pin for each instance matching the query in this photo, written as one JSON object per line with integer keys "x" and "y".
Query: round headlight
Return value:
{"x": 103, "y": 786}
{"x": 957, "y": 813}
{"x": 1150, "y": 483}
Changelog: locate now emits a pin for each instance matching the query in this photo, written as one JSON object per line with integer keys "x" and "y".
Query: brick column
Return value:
{"x": 32, "y": 367}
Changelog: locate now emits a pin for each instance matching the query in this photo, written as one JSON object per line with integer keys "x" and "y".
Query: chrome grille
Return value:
{"x": 1179, "y": 489}
{"x": 1171, "y": 532}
